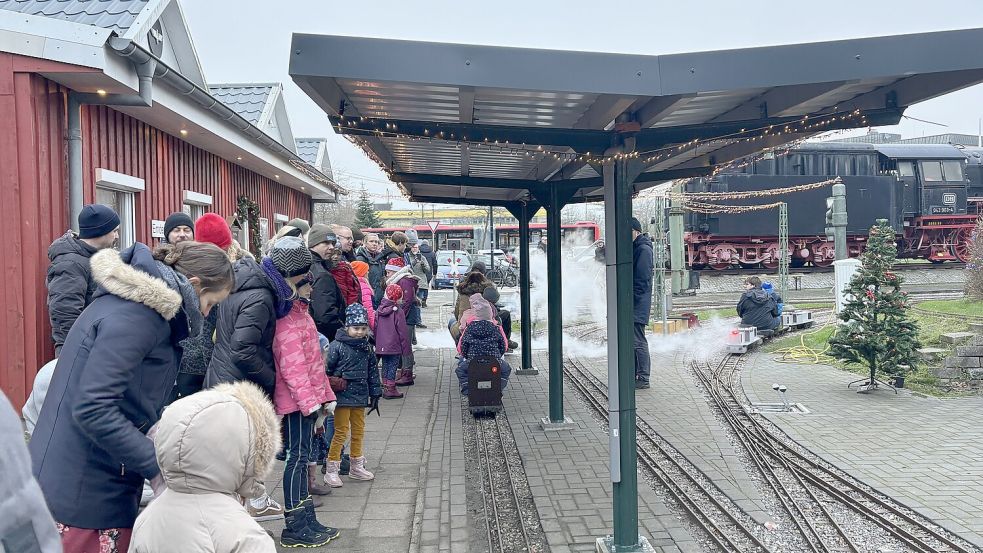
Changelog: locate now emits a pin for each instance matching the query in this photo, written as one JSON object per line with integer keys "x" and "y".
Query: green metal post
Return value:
{"x": 621, "y": 355}
{"x": 676, "y": 246}
{"x": 783, "y": 250}
{"x": 554, "y": 298}
{"x": 525, "y": 303}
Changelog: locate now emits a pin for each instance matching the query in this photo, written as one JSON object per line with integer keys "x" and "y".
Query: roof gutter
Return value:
{"x": 133, "y": 51}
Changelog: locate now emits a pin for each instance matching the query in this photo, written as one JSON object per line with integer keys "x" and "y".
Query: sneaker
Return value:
{"x": 641, "y": 385}
{"x": 421, "y": 325}
{"x": 270, "y": 511}
{"x": 148, "y": 494}
{"x": 513, "y": 344}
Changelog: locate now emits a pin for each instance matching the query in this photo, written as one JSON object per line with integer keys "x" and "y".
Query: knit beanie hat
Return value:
{"x": 395, "y": 264}
{"x": 360, "y": 268}
{"x": 301, "y": 224}
{"x": 491, "y": 294}
{"x": 411, "y": 237}
{"x": 320, "y": 233}
{"x": 356, "y": 315}
{"x": 291, "y": 257}
{"x": 97, "y": 220}
{"x": 394, "y": 292}
{"x": 357, "y": 235}
{"x": 177, "y": 219}
{"x": 212, "y": 228}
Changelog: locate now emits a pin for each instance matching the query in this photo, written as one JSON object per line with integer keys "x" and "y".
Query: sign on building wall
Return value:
{"x": 157, "y": 228}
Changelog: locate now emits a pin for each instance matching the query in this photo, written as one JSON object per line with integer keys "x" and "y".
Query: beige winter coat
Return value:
{"x": 211, "y": 446}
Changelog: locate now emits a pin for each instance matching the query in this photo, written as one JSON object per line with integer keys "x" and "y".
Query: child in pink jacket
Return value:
{"x": 304, "y": 396}
{"x": 361, "y": 270}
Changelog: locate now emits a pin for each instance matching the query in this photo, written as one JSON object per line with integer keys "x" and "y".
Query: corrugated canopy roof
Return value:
{"x": 487, "y": 125}
{"x": 117, "y": 15}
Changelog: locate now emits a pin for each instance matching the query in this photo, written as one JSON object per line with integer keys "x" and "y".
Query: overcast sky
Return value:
{"x": 249, "y": 40}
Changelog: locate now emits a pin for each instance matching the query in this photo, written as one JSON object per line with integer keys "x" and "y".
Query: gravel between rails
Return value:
{"x": 846, "y": 515}
{"x": 506, "y": 509}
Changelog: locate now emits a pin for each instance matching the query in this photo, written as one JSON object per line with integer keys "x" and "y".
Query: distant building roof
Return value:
{"x": 955, "y": 139}
{"x": 315, "y": 152}
{"x": 117, "y": 15}
{"x": 872, "y": 137}
{"x": 248, "y": 100}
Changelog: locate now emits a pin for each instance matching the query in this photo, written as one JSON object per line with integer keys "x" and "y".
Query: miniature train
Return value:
{"x": 743, "y": 338}
{"x": 484, "y": 386}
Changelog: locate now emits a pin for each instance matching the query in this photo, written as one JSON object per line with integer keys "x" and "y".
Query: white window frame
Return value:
{"x": 129, "y": 186}
{"x": 196, "y": 204}
{"x": 279, "y": 219}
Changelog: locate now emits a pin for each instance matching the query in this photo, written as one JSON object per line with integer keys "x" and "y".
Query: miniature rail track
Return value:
{"x": 716, "y": 515}
{"x": 511, "y": 521}
{"x": 815, "y": 487}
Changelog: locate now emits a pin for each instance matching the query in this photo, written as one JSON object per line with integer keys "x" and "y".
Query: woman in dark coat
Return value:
{"x": 244, "y": 331}
{"x": 119, "y": 362}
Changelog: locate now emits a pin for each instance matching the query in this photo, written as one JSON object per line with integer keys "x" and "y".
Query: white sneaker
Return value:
{"x": 148, "y": 494}
{"x": 271, "y": 510}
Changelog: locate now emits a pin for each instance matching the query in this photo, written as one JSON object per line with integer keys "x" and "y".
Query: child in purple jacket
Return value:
{"x": 392, "y": 338}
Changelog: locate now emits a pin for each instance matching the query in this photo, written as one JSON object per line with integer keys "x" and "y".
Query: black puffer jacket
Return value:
{"x": 377, "y": 273}
{"x": 354, "y": 360}
{"x": 70, "y": 285}
{"x": 244, "y": 331}
{"x": 327, "y": 302}
{"x": 757, "y": 308}
{"x": 431, "y": 256}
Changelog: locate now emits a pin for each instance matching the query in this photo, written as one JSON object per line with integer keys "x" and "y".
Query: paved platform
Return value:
{"x": 925, "y": 452}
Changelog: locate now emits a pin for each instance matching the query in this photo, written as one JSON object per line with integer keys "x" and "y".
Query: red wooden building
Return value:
{"x": 148, "y": 149}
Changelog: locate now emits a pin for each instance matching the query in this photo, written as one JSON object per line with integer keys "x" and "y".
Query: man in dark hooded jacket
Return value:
{"x": 372, "y": 254}
{"x": 69, "y": 279}
{"x": 327, "y": 298}
{"x": 757, "y": 307}
{"x": 643, "y": 257}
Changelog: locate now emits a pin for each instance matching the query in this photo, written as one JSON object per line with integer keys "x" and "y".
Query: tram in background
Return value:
{"x": 462, "y": 237}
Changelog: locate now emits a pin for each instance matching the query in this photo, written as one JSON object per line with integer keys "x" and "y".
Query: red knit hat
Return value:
{"x": 212, "y": 228}
{"x": 395, "y": 264}
{"x": 394, "y": 292}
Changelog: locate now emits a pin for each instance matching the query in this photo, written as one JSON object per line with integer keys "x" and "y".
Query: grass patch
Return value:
{"x": 963, "y": 306}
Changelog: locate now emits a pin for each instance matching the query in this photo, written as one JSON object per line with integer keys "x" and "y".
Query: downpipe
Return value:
{"x": 146, "y": 67}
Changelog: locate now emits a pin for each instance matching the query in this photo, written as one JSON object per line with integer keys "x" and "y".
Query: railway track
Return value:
{"x": 709, "y": 273}
{"x": 816, "y": 495}
{"x": 512, "y": 522}
{"x": 723, "y": 523}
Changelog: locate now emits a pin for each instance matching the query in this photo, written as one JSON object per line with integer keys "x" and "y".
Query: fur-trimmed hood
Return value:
{"x": 469, "y": 287}
{"x": 132, "y": 275}
{"x": 221, "y": 440}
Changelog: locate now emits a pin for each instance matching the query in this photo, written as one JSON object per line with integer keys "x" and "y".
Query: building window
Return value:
{"x": 196, "y": 204}
{"x": 279, "y": 220}
{"x": 119, "y": 191}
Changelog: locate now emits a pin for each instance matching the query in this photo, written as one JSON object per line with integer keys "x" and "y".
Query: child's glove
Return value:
{"x": 321, "y": 415}
{"x": 374, "y": 406}
{"x": 330, "y": 407}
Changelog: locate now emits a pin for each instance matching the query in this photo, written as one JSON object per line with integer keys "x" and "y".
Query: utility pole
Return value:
{"x": 677, "y": 257}
{"x": 836, "y": 220}
{"x": 783, "y": 250}
{"x": 659, "y": 307}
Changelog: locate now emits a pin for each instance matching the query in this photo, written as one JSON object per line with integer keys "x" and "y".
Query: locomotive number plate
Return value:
{"x": 949, "y": 199}
{"x": 942, "y": 210}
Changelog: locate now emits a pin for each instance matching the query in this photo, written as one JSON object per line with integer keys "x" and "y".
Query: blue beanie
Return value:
{"x": 766, "y": 286}
{"x": 97, "y": 220}
{"x": 356, "y": 315}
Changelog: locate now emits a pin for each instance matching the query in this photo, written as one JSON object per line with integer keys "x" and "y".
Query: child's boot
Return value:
{"x": 331, "y": 477}
{"x": 313, "y": 524}
{"x": 389, "y": 390}
{"x": 405, "y": 377}
{"x": 358, "y": 471}
{"x": 298, "y": 532}
{"x": 313, "y": 486}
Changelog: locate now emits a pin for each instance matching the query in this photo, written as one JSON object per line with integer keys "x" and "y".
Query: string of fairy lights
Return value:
{"x": 387, "y": 129}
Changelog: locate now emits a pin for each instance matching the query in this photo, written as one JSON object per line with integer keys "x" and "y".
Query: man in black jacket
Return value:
{"x": 643, "y": 258}
{"x": 327, "y": 302}
{"x": 757, "y": 307}
{"x": 371, "y": 253}
{"x": 69, "y": 279}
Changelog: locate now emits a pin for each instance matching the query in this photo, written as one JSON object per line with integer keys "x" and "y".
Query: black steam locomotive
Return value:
{"x": 930, "y": 193}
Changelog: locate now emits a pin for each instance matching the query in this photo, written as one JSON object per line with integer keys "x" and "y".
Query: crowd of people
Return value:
{"x": 184, "y": 371}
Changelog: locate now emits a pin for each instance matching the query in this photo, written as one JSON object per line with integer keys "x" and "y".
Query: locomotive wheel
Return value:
{"x": 720, "y": 266}
{"x": 961, "y": 245}
{"x": 823, "y": 262}
{"x": 770, "y": 264}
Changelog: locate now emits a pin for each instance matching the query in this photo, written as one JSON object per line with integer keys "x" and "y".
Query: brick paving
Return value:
{"x": 925, "y": 452}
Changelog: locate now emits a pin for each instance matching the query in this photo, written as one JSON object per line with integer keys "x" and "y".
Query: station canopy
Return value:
{"x": 485, "y": 125}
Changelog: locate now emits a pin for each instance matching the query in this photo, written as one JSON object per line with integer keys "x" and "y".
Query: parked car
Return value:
{"x": 451, "y": 266}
